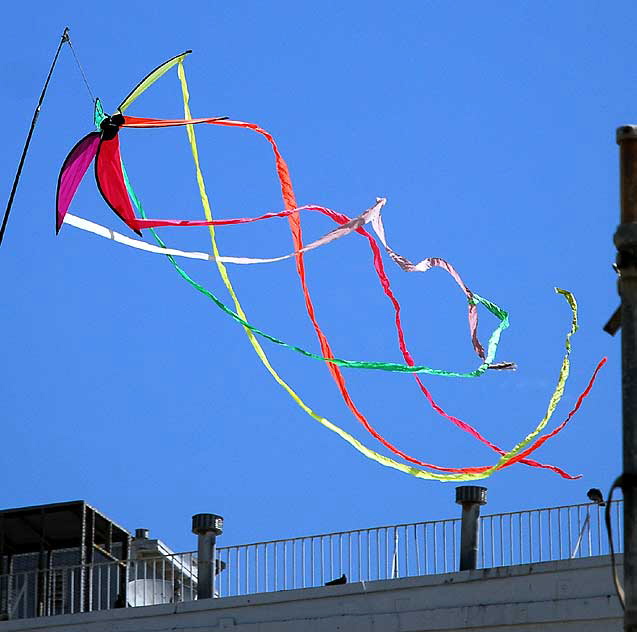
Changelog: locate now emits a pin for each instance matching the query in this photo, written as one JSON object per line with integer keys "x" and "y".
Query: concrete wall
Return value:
{"x": 575, "y": 595}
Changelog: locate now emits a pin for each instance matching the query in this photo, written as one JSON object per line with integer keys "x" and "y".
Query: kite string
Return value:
{"x": 79, "y": 65}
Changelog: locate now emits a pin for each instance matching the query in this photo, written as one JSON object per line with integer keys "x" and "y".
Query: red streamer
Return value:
{"x": 292, "y": 213}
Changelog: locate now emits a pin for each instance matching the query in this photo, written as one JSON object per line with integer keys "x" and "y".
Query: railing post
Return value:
{"x": 206, "y": 527}
{"x": 471, "y": 497}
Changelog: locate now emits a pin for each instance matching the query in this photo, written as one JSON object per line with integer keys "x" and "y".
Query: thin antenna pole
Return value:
{"x": 5, "y": 219}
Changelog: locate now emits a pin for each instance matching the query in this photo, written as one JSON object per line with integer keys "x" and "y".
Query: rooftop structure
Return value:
{"x": 142, "y": 577}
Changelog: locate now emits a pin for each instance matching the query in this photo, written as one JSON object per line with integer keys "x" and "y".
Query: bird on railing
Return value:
{"x": 335, "y": 582}
{"x": 596, "y": 496}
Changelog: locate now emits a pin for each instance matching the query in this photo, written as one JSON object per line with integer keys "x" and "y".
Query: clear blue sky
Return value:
{"x": 490, "y": 129}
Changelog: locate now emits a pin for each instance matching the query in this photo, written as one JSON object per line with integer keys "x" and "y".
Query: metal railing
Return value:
{"x": 102, "y": 586}
{"x": 361, "y": 555}
{"x": 421, "y": 548}
{"x": 387, "y": 552}
{"x": 541, "y": 535}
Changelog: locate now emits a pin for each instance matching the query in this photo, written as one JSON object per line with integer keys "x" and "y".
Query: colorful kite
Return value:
{"x": 115, "y": 187}
{"x": 103, "y": 146}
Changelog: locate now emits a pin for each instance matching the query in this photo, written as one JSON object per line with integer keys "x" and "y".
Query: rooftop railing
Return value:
{"x": 387, "y": 552}
{"x": 420, "y": 548}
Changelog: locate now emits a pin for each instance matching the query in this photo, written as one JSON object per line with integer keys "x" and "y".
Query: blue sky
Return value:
{"x": 490, "y": 129}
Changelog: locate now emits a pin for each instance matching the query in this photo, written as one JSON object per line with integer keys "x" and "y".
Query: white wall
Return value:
{"x": 575, "y": 595}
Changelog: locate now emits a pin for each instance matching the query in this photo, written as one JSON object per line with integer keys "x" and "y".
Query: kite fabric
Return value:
{"x": 103, "y": 146}
{"x": 102, "y": 231}
{"x": 150, "y": 79}
{"x": 110, "y": 181}
{"x": 113, "y": 183}
{"x": 72, "y": 172}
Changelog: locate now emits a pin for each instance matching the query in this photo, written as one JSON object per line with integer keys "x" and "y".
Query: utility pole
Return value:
{"x": 626, "y": 243}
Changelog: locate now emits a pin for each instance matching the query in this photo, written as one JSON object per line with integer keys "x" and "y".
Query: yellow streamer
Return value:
{"x": 150, "y": 79}
{"x": 559, "y": 389}
{"x": 371, "y": 454}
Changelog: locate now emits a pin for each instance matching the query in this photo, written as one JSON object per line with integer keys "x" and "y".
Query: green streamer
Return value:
{"x": 394, "y": 367}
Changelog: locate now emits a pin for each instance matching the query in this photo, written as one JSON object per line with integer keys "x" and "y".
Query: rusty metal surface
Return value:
{"x": 626, "y": 243}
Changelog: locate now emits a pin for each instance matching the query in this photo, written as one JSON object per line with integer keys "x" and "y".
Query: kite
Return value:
{"x": 115, "y": 187}
{"x": 103, "y": 147}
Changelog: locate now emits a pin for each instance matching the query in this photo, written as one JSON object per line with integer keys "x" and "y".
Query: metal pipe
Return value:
{"x": 34, "y": 120}
{"x": 206, "y": 527}
{"x": 471, "y": 497}
{"x": 626, "y": 242}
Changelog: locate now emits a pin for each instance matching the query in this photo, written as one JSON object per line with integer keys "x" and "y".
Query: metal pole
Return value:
{"x": 471, "y": 497}
{"x": 626, "y": 242}
{"x": 206, "y": 527}
{"x": 34, "y": 120}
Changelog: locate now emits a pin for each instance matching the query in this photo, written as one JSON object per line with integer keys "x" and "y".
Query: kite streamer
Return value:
{"x": 103, "y": 146}
{"x": 114, "y": 186}
{"x": 356, "y": 364}
{"x": 462, "y": 474}
{"x": 290, "y": 202}
{"x": 288, "y": 196}
{"x": 102, "y": 231}
{"x": 370, "y": 215}
{"x": 72, "y": 220}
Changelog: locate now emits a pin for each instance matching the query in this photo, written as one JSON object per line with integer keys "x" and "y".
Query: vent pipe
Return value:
{"x": 471, "y": 497}
{"x": 206, "y": 527}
